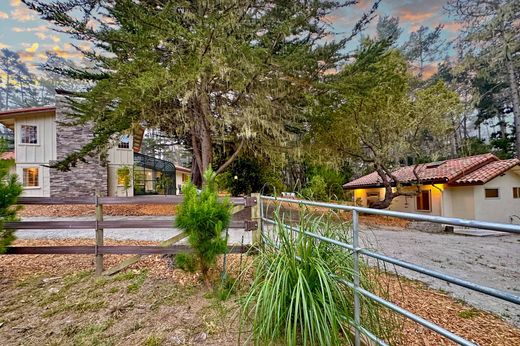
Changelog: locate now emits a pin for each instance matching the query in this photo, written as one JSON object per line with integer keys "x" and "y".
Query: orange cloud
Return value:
{"x": 429, "y": 70}
{"x": 453, "y": 26}
{"x": 23, "y": 14}
{"x": 31, "y": 29}
{"x": 413, "y": 16}
{"x": 16, "y": 3}
{"x": 3, "y": 45}
{"x": 67, "y": 52}
{"x": 3, "y": 15}
{"x": 55, "y": 38}
{"x": 41, "y": 35}
{"x": 33, "y": 48}
{"x": 363, "y": 4}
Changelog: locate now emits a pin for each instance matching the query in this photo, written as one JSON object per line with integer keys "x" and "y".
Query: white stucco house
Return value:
{"x": 480, "y": 187}
{"x": 41, "y": 138}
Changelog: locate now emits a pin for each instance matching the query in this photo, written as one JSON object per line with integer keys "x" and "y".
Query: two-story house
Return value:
{"x": 42, "y": 136}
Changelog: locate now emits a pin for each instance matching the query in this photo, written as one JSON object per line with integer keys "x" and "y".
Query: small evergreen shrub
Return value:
{"x": 10, "y": 189}
{"x": 204, "y": 218}
{"x": 186, "y": 262}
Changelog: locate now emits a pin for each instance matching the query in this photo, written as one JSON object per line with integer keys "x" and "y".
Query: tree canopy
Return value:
{"x": 227, "y": 75}
{"x": 373, "y": 115}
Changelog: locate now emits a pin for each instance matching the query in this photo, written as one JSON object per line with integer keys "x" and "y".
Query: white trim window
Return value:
{"x": 124, "y": 142}
{"x": 28, "y": 134}
{"x": 492, "y": 193}
{"x": 31, "y": 177}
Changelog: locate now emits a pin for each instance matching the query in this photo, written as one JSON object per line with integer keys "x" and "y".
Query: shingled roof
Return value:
{"x": 477, "y": 169}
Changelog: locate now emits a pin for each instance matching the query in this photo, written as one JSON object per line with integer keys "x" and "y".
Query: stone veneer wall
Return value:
{"x": 86, "y": 178}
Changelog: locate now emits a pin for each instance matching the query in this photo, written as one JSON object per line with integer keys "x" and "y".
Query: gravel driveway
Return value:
{"x": 489, "y": 261}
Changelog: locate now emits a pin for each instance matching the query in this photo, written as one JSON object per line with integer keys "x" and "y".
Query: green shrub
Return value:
{"x": 294, "y": 299}
{"x": 186, "y": 262}
{"x": 10, "y": 189}
{"x": 316, "y": 189}
{"x": 204, "y": 218}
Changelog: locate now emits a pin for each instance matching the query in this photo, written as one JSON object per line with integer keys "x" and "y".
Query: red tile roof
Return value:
{"x": 449, "y": 171}
{"x": 487, "y": 172}
{"x": 8, "y": 155}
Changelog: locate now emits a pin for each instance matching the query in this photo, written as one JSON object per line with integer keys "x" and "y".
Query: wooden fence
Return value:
{"x": 245, "y": 216}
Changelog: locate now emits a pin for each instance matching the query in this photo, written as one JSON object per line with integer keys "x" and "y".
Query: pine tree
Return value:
{"x": 10, "y": 189}
{"x": 204, "y": 218}
{"x": 491, "y": 43}
{"x": 219, "y": 74}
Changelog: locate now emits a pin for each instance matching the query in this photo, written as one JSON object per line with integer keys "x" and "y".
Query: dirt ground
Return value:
{"x": 49, "y": 299}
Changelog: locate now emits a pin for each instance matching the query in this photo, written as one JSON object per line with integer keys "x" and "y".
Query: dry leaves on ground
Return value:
{"x": 481, "y": 327}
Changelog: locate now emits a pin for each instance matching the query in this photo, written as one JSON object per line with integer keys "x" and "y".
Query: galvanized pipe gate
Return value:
{"x": 357, "y": 251}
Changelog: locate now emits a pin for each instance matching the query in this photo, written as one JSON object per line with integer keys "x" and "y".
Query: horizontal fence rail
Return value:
{"x": 356, "y": 251}
{"x": 174, "y": 199}
{"x": 244, "y": 208}
{"x": 109, "y": 250}
{"x": 492, "y": 226}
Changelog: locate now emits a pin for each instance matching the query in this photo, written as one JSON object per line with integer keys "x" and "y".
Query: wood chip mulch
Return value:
{"x": 89, "y": 210}
{"x": 481, "y": 327}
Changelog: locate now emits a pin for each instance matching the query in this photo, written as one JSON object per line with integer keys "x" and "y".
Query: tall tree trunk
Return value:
{"x": 513, "y": 86}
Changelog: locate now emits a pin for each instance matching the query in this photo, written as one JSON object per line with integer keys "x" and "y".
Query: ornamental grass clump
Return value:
{"x": 204, "y": 217}
{"x": 295, "y": 297}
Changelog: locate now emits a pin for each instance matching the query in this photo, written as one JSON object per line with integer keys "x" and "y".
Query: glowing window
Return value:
{"x": 423, "y": 201}
{"x": 30, "y": 177}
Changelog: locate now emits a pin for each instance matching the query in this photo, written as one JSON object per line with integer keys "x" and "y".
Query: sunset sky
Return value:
{"x": 21, "y": 29}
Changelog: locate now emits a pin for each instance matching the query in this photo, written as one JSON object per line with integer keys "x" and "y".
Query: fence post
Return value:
{"x": 355, "y": 253}
{"x": 255, "y": 216}
{"x": 99, "y": 236}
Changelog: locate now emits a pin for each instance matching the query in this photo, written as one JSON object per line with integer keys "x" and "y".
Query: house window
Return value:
{"x": 30, "y": 177}
{"x": 124, "y": 142}
{"x": 491, "y": 193}
{"x": 372, "y": 197}
{"x": 29, "y": 134}
{"x": 423, "y": 201}
{"x": 516, "y": 192}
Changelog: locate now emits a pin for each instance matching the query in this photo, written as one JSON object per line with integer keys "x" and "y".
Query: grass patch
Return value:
{"x": 93, "y": 334}
{"x": 468, "y": 313}
{"x": 153, "y": 340}
{"x": 77, "y": 307}
{"x": 138, "y": 281}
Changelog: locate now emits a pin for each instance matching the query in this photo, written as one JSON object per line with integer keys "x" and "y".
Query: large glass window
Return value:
{"x": 30, "y": 177}
{"x": 423, "y": 201}
{"x": 29, "y": 134}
